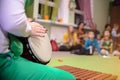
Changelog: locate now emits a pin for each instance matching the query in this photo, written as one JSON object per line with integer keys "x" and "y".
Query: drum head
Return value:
{"x": 41, "y": 47}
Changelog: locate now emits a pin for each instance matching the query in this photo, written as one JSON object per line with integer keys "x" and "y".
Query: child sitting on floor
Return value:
{"x": 115, "y": 35}
{"x": 91, "y": 44}
{"x": 116, "y": 52}
{"x": 99, "y": 40}
{"x": 106, "y": 47}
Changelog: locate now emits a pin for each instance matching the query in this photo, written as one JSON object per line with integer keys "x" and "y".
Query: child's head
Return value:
{"x": 70, "y": 29}
{"x": 81, "y": 25}
{"x": 98, "y": 37}
{"x": 91, "y": 35}
{"x": 116, "y": 26}
{"x": 108, "y": 27}
{"x": 106, "y": 35}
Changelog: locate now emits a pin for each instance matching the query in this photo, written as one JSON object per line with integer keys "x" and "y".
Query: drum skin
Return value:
{"x": 41, "y": 47}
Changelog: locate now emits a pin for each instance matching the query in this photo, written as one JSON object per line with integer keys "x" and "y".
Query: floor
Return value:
{"x": 110, "y": 65}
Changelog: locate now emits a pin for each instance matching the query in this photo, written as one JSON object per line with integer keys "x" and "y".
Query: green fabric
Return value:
{"x": 15, "y": 45}
{"x": 45, "y": 10}
{"x": 106, "y": 43}
{"x": 29, "y": 8}
{"x": 17, "y": 68}
{"x": 14, "y": 67}
{"x": 55, "y": 10}
{"x": 28, "y": 3}
{"x": 42, "y": 11}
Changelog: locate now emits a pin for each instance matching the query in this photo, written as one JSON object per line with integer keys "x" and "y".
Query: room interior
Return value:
{"x": 102, "y": 12}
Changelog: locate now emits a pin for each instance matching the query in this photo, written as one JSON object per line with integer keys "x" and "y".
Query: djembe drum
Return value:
{"x": 37, "y": 49}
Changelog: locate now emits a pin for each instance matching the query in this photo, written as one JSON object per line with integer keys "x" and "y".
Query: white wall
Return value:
{"x": 100, "y": 13}
{"x": 100, "y": 17}
{"x": 63, "y": 11}
{"x": 57, "y": 33}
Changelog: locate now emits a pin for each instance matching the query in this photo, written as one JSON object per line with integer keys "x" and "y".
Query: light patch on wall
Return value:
{"x": 57, "y": 33}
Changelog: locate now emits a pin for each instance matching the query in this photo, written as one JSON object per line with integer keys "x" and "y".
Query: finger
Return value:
{"x": 41, "y": 31}
{"x": 40, "y": 34}
{"x": 37, "y": 24}
{"x": 46, "y": 30}
{"x": 40, "y": 28}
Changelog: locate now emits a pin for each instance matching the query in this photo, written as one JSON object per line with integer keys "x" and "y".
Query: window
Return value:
{"x": 48, "y": 9}
{"x": 45, "y": 9}
{"x": 78, "y": 13}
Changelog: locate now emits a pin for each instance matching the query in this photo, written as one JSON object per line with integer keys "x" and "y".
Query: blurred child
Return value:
{"x": 68, "y": 39}
{"x": 115, "y": 35}
{"x": 106, "y": 47}
{"x": 91, "y": 44}
{"x": 99, "y": 40}
{"x": 96, "y": 32}
{"x": 80, "y": 32}
{"x": 108, "y": 27}
{"x": 79, "y": 40}
{"x": 117, "y": 51}
{"x": 114, "y": 31}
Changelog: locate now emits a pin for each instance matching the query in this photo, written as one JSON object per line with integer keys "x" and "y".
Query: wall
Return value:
{"x": 100, "y": 17}
{"x": 55, "y": 31}
{"x": 63, "y": 11}
{"x": 100, "y": 13}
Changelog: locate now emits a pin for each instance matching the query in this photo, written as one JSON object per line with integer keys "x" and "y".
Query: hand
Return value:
{"x": 119, "y": 34}
{"x": 90, "y": 47}
{"x": 77, "y": 41}
{"x": 30, "y": 19}
{"x": 105, "y": 47}
{"x": 37, "y": 29}
{"x": 111, "y": 40}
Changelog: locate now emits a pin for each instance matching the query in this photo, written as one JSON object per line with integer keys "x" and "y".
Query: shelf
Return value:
{"x": 55, "y": 23}
{"x": 59, "y": 24}
{"x": 49, "y": 3}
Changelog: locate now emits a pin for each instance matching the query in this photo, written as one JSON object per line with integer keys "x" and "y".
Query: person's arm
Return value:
{"x": 97, "y": 46}
{"x": 87, "y": 44}
{"x": 65, "y": 38}
{"x": 111, "y": 46}
{"x": 76, "y": 40}
{"x": 102, "y": 42}
{"x": 13, "y": 18}
{"x": 114, "y": 33}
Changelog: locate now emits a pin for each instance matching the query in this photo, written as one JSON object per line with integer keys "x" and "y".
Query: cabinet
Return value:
{"x": 55, "y": 29}
{"x": 115, "y": 15}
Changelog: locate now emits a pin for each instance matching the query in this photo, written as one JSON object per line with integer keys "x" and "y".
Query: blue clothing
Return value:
{"x": 93, "y": 43}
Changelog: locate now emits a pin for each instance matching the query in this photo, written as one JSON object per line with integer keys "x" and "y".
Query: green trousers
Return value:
{"x": 18, "y": 68}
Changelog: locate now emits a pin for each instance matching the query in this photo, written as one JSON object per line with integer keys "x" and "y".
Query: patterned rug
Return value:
{"x": 84, "y": 74}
